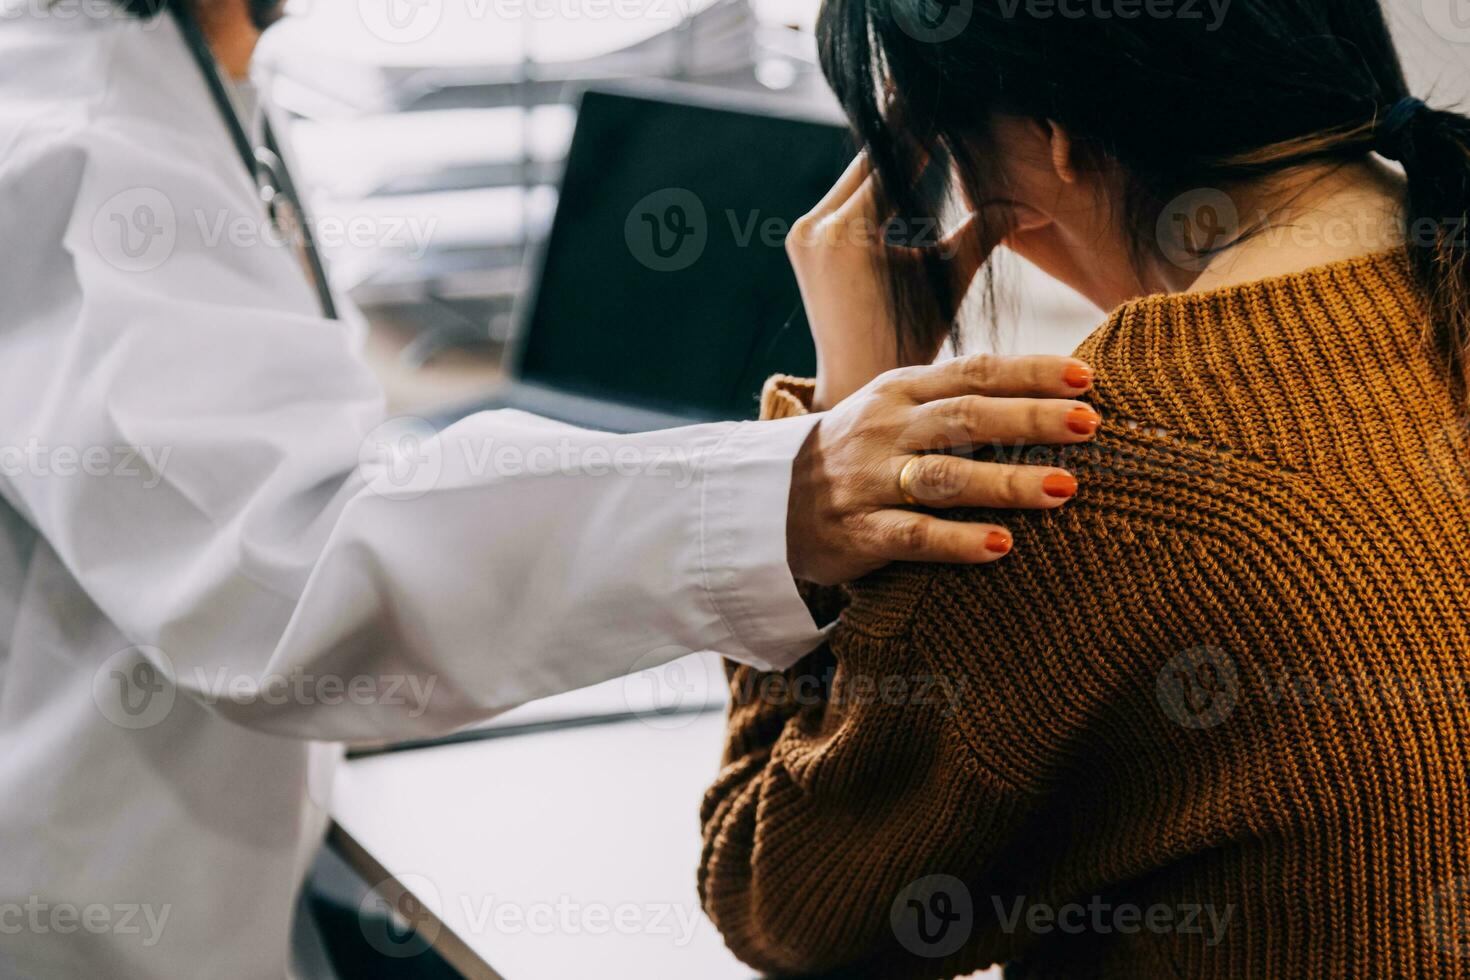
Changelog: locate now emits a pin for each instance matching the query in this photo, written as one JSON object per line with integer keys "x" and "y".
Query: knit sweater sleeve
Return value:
{"x": 825, "y": 762}
{"x": 843, "y": 785}
{"x": 918, "y": 751}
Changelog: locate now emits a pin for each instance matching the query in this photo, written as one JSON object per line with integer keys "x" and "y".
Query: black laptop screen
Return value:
{"x": 665, "y": 281}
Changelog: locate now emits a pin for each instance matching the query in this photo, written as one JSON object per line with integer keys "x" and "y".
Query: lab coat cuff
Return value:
{"x": 746, "y": 488}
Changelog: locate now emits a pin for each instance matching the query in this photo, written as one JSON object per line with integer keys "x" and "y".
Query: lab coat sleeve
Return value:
{"x": 235, "y": 504}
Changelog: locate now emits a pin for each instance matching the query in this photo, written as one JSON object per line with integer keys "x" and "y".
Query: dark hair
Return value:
{"x": 1174, "y": 103}
{"x": 262, "y": 12}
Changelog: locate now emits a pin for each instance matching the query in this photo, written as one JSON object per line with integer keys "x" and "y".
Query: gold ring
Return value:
{"x": 905, "y": 481}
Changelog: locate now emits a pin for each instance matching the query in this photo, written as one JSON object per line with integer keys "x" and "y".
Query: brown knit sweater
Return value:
{"x": 1211, "y": 720}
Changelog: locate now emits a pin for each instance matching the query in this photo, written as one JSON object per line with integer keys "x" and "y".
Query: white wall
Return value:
{"x": 1434, "y": 40}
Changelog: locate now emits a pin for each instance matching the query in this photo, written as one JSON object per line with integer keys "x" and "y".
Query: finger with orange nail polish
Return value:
{"x": 1078, "y": 376}
{"x": 1084, "y": 420}
{"x": 1060, "y": 486}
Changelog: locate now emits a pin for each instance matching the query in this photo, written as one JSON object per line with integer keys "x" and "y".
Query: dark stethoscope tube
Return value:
{"x": 265, "y": 164}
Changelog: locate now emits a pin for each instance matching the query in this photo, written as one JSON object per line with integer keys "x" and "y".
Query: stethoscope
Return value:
{"x": 265, "y": 163}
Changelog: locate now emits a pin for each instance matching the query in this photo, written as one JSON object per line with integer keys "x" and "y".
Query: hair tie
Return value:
{"x": 1388, "y": 141}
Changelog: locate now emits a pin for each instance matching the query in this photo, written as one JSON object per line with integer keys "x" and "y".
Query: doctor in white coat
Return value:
{"x": 210, "y": 577}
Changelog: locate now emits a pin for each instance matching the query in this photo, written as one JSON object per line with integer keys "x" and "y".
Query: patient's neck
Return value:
{"x": 1308, "y": 218}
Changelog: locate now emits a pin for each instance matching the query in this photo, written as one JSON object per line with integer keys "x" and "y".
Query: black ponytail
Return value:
{"x": 1434, "y": 149}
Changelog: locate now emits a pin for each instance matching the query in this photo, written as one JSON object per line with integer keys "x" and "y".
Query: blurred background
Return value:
{"x": 432, "y": 132}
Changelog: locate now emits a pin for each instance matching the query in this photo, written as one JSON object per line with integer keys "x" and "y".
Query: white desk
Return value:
{"x": 553, "y": 855}
{"x": 559, "y": 854}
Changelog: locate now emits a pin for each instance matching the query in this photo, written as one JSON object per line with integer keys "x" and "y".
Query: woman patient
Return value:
{"x": 1212, "y": 720}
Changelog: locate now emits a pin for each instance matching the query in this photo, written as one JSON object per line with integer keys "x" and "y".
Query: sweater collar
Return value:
{"x": 1259, "y": 367}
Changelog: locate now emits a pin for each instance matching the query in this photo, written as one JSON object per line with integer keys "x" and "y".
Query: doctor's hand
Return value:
{"x": 886, "y": 454}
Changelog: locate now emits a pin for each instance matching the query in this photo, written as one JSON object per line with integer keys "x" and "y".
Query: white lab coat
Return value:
{"x": 196, "y": 564}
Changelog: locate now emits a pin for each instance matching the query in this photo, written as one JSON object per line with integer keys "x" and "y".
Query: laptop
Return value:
{"x": 662, "y": 295}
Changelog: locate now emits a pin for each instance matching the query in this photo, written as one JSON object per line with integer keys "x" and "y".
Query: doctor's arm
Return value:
{"x": 257, "y": 521}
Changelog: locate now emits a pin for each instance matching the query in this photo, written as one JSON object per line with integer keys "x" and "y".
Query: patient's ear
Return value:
{"x": 1061, "y": 153}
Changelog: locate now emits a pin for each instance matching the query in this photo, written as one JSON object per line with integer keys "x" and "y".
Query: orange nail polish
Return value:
{"x": 1083, "y": 421}
{"x": 1060, "y": 485}
{"x": 997, "y": 543}
{"x": 1078, "y": 376}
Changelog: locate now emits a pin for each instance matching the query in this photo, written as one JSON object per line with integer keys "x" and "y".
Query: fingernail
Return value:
{"x": 997, "y": 543}
{"x": 1060, "y": 485}
{"x": 1078, "y": 376}
{"x": 1083, "y": 421}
